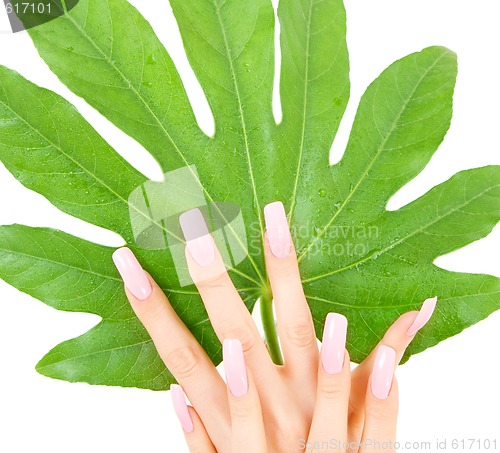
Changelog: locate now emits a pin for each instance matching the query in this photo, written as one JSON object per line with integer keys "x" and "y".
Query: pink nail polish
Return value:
{"x": 333, "y": 346}
{"x": 234, "y": 366}
{"x": 423, "y": 316}
{"x": 181, "y": 407}
{"x": 277, "y": 229}
{"x": 383, "y": 372}
{"x": 132, "y": 273}
{"x": 198, "y": 240}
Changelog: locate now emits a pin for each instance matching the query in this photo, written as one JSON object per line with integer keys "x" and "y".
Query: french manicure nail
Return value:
{"x": 181, "y": 407}
{"x": 132, "y": 273}
{"x": 383, "y": 372}
{"x": 234, "y": 366}
{"x": 423, "y": 316}
{"x": 333, "y": 345}
{"x": 277, "y": 229}
{"x": 198, "y": 240}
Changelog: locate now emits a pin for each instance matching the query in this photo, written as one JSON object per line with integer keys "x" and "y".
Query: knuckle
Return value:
{"x": 241, "y": 411}
{"x": 332, "y": 388}
{"x": 300, "y": 334}
{"x": 289, "y": 433}
{"x": 243, "y": 333}
{"x": 382, "y": 412}
{"x": 285, "y": 268}
{"x": 213, "y": 278}
{"x": 182, "y": 362}
{"x": 213, "y": 281}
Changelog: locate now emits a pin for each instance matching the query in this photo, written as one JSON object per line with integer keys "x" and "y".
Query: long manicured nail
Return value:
{"x": 277, "y": 229}
{"x": 234, "y": 365}
{"x": 132, "y": 273}
{"x": 423, "y": 316}
{"x": 198, "y": 240}
{"x": 181, "y": 407}
{"x": 333, "y": 346}
{"x": 383, "y": 372}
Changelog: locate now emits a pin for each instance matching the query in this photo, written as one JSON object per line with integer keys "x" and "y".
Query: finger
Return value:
{"x": 177, "y": 347}
{"x": 248, "y": 435}
{"x": 334, "y": 377}
{"x": 228, "y": 314}
{"x": 195, "y": 433}
{"x": 398, "y": 337}
{"x": 401, "y": 333}
{"x": 379, "y": 433}
{"x": 295, "y": 323}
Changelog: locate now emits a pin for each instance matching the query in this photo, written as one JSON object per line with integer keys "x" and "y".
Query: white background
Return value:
{"x": 451, "y": 391}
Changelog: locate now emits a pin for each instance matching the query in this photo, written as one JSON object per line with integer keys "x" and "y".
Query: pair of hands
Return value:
{"x": 311, "y": 403}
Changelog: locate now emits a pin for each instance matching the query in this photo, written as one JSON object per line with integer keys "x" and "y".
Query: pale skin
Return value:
{"x": 298, "y": 406}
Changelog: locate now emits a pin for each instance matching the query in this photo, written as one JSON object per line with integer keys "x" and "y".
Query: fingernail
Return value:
{"x": 234, "y": 366}
{"x": 181, "y": 407}
{"x": 198, "y": 240}
{"x": 277, "y": 229}
{"x": 423, "y": 316}
{"x": 132, "y": 273}
{"x": 383, "y": 372}
{"x": 333, "y": 346}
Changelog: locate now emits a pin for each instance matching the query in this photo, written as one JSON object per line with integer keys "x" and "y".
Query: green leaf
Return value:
{"x": 107, "y": 53}
{"x": 71, "y": 274}
{"x": 397, "y": 271}
{"x": 49, "y": 147}
{"x": 356, "y": 257}
{"x": 314, "y": 93}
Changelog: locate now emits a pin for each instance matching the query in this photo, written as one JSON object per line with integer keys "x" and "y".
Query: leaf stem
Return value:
{"x": 267, "y": 316}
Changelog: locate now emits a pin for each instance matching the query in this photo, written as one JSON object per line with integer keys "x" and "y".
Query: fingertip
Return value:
{"x": 142, "y": 305}
{"x": 235, "y": 367}
{"x": 396, "y": 336}
{"x": 285, "y": 266}
{"x": 382, "y": 409}
{"x": 404, "y": 321}
{"x": 181, "y": 408}
{"x": 333, "y": 343}
{"x": 195, "y": 419}
{"x": 347, "y": 360}
{"x": 277, "y": 230}
{"x": 383, "y": 372}
{"x": 133, "y": 275}
{"x": 198, "y": 438}
{"x": 424, "y": 315}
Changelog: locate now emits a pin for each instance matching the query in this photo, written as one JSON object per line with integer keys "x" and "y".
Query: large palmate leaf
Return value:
{"x": 356, "y": 257}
